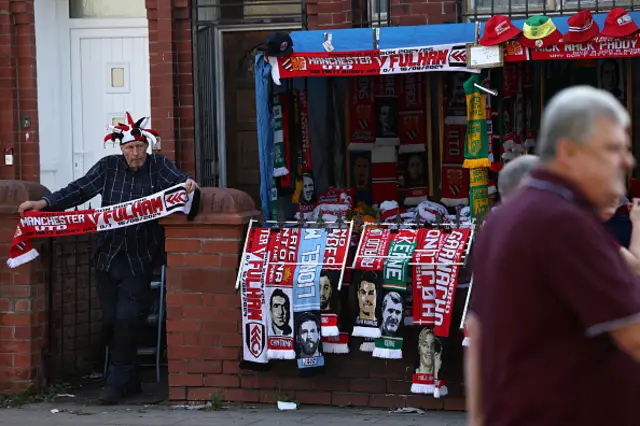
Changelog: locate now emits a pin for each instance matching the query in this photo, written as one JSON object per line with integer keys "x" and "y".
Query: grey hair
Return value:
{"x": 572, "y": 113}
{"x": 515, "y": 172}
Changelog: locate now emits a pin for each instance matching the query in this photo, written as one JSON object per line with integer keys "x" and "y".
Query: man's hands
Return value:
{"x": 28, "y": 206}
{"x": 191, "y": 185}
{"x": 634, "y": 211}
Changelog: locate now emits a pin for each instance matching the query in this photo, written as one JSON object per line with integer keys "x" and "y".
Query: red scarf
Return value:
{"x": 57, "y": 224}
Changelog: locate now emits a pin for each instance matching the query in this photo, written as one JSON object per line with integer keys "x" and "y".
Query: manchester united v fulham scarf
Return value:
{"x": 283, "y": 255}
{"x": 57, "y": 224}
{"x": 252, "y": 277}
{"x": 306, "y": 301}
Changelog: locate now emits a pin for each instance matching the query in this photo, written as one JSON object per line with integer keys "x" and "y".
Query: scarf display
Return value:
{"x": 57, "y": 224}
{"x": 373, "y": 249}
{"x": 335, "y": 254}
{"x": 428, "y": 375}
{"x": 283, "y": 248}
{"x": 367, "y": 345}
{"x": 361, "y": 114}
{"x": 479, "y": 192}
{"x": 386, "y": 110}
{"x": 454, "y": 133}
{"x": 306, "y": 301}
{"x": 287, "y": 125}
{"x": 510, "y": 140}
{"x": 394, "y": 288}
{"x": 476, "y": 148}
{"x": 252, "y": 290}
{"x": 366, "y": 291}
{"x": 424, "y": 276}
{"x": 412, "y": 132}
{"x": 279, "y": 150}
{"x": 446, "y": 278}
{"x": 455, "y": 185}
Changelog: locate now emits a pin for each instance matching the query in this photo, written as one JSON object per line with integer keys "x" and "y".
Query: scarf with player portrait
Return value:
{"x": 366, "y": 286}
{"x": 428, "y": 377}
{"x": 306, "y": 304}
{"x": 394, "y": 287}
{"x": 334, "y": 258}
{"x": 283, "y": 255}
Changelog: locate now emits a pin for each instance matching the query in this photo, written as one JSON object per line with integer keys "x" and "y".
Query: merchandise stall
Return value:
{"x": 367, "y": 224}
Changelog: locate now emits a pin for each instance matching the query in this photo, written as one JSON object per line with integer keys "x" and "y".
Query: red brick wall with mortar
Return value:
{"x": 328, "y": 14}
{"x": 205, "y": 337}
{"x": 170, "y": 58}
{"x": 18, "y": 89}
{"x": 23, "y": 308}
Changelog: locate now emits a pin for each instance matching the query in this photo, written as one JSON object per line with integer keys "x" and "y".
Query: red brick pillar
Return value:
{"x": 203, "y": 310}
{"x": 23, "y": 319}
{"x": 328, "y": 14}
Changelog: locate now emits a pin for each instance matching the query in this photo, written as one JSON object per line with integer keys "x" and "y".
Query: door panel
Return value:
{"x": 109, "y": 75}
{"x": 243, "y": 170}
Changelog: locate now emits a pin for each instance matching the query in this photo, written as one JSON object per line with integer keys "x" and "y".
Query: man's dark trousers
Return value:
{"x": 124, "y": 300}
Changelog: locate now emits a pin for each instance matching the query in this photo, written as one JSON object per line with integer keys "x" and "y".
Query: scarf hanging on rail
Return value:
{"x": 252, "y": 290}
{"x": 412, "y": 92}
{"x": 428, "y": 376}
{"x": 366, "y": 286}
{"x": 476, "y": 147}
{"x": 424, "y": 276}
{"x": 335, "y": 254}
{"x": 368, "y": 345}
{"x": 306, "y": 304}
{"x": 57, "y": 224}
{"x": 446, "y": 278}
{"x": 283, "y": 248}
{"x": 394, "y": 287}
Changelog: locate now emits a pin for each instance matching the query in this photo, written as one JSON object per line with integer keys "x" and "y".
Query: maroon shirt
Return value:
{"x": 549, "y": 283}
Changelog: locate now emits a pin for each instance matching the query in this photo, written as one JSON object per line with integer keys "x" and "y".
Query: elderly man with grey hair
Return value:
{"x": 514, "y": 173}
{"x": 555, "y": 317}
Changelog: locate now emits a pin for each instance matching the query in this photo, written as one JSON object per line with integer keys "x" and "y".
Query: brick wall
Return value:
{"x": 170, "y": 58}
{"x": 23, "y": 308}
{"x": 204, "y": 329}
{"x": 18, "y": 89}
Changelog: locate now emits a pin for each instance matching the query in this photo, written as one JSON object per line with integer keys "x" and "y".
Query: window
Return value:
{"x": 379, "y": 12}
{"x": 107, "y": 9}
{"x": 118, "y": 77}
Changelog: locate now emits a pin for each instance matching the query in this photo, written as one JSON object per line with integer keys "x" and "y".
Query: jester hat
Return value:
{"x": 132, "y": 131}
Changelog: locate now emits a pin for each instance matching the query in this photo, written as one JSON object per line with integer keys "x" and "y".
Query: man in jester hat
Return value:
{"x": 125, "y": 256}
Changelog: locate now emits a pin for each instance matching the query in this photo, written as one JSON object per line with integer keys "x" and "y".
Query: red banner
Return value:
{"x": 424, "y": 277}
{"x": 598, "y": 48}
{"x": 335, "y": 251}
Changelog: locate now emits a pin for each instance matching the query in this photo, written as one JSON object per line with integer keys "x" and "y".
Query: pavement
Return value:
{"x": 68, "y": 413}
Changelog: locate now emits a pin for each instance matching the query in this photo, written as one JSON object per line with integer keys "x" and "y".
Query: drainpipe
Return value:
{"x": 18, "y": 141}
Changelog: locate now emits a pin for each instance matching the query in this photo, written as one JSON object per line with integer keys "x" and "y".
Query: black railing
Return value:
{"x": 483, "y": 9}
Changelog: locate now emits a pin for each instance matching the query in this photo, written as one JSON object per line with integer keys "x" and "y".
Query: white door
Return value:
{"x": 109, "y": 75}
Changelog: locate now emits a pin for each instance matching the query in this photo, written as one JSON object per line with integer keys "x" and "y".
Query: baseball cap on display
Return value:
{"x": 278, "y": 45}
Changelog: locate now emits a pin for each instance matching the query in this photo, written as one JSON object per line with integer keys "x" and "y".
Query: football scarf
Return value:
{"x": 57, "y": 224}
{"x": 424, "y": 276}
{"x": 411, "y": 92}
{"x": 412, "y": 132}
{"x": 336, "y": 344}
{"x": 279, "y": 149}
{"x": 335, "y": 254}
{"x": 283, "y": 248}
{"x": 455, "y": 185}
{"x": 306, "y": 301}
{"x": 374, "y": 248}
{"x": 252, "y": 278}
{"x": 361, "y": 114}
{"x": 428, "y": 376}
{"x": 479, "y": 192}
{"x": 446, "y": 278}
{"x": 367, "y": 293}
{"x": 394, "y": 286}
{"x": 476, "y": 147}
{"x": 368, "y": 345}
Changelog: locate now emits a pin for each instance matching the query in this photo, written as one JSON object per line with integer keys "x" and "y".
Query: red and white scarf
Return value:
{"x": 56, "y": 224}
